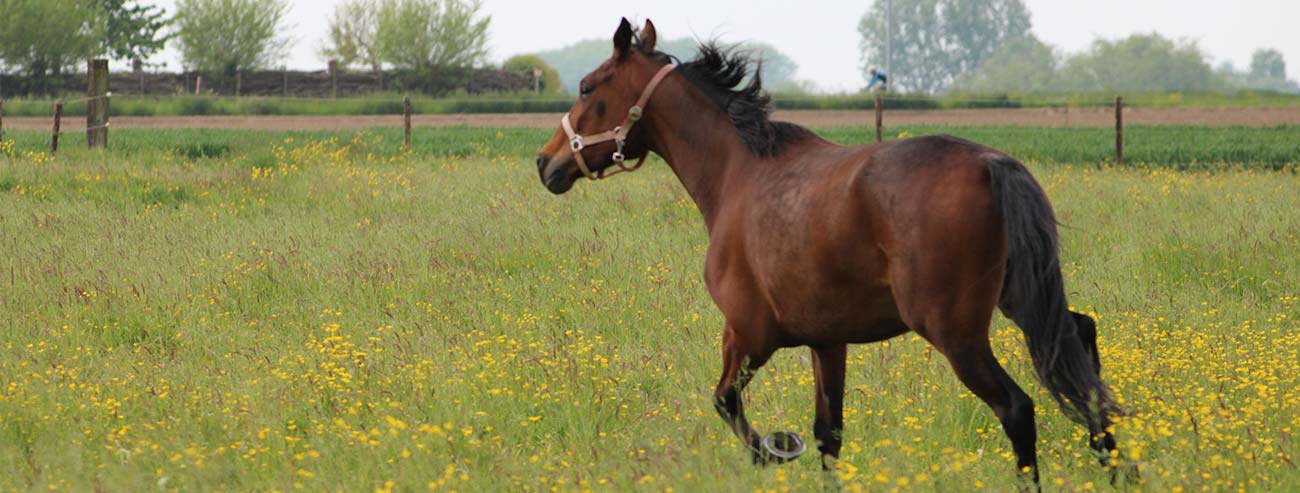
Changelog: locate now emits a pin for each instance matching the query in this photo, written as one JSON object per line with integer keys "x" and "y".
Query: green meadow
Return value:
{"x": 227, "y": 311}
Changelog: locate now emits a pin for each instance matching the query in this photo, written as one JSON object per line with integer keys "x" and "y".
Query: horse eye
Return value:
{"x": 585, "y": 92}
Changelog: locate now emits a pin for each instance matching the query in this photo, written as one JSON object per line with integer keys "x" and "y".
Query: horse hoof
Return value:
{"x": 1125, "y": 474}
{"x": 783, "y": 446}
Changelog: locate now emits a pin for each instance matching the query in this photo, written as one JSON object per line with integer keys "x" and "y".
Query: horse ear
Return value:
{"x": 622, "y": 38}
{"x": 648, "y": 36}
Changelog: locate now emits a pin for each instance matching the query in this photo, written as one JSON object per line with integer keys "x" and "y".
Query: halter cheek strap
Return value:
{"x": 619, "y": 134}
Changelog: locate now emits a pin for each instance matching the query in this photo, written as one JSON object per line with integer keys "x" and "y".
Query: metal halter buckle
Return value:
{"x": 618, "y": 154}
{"x": 576, "y": 143}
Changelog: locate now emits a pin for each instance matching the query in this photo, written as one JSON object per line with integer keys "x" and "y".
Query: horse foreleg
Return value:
{"x": 828, "y": 370}
{"x": 737, "y": 370}
{"x": 738, "y": 367}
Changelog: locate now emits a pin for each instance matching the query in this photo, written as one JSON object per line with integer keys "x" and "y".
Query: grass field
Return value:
{"x": 200, "y": 310}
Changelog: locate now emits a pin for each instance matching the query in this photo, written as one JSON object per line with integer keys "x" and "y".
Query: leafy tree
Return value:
{"x": 132, "y": 30}
{"x": 936, "y": 41}
{"x": 1267, "y": 65}
{"x": 576, "y": 60}
{"x": 423, "y": 34}
{"x": 228, "y": 35}
{"x": 44, "y": 37}
{"x": 1142, "y": 62}
{"x": 1022, "y": 64}
{"x": 778, "y": 68}
{"x": 1228, "y": 72}
{"x": 353, "y": 31}
{"x": 526, "y": 63}
{"x": 1267, "y": 72}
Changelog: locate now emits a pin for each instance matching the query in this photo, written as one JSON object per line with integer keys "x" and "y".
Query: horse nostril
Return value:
{"x": 541, "y": 162}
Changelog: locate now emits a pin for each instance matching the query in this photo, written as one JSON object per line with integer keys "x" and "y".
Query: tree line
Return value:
{"x": 44, "y": 38}
{"x": 574, "y": 61}
{"x": 929, "y": 46}
{"x": 985, "y": 46}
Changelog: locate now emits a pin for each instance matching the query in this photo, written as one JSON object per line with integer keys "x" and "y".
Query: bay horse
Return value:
{"x": 820, "y": 245}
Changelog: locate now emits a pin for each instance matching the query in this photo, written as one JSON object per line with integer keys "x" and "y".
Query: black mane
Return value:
{"x": 720, "y": 72}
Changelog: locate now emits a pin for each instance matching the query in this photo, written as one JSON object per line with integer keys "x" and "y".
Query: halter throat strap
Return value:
{"x": 618, "y": 135}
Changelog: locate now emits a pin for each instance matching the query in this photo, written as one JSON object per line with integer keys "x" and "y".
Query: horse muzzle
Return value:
{"x": 557, "y": 174}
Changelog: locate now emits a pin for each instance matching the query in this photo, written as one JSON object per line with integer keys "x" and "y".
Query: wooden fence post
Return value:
{"x": 239, "y": 82}
{"x": 406, "y": 112}
{"x": 54, "y": 137}
{"x": 97, "y": 98}
{"x": 137, "y": 66}
{"x": 879, "y": 117}
{"x": 1119, "y": 130}
{"x": 334, "y": 79}
{"x": 198, "y": 84}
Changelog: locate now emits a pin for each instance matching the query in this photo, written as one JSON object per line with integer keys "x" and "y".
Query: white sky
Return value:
{"x": 821, "y": 35}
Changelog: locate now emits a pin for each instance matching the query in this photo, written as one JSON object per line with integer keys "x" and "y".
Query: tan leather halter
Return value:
{"x": 619, "y": 134}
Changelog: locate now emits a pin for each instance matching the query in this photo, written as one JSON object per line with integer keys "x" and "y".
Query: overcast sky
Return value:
{"x": 821, "y": 35}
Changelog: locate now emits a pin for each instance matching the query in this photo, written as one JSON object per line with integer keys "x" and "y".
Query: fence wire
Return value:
{"x": 79, "y": 130}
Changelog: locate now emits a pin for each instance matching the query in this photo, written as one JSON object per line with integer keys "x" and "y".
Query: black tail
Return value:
{"x": 1033, "y": 295}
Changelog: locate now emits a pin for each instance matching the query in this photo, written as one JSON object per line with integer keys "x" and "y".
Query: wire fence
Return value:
{"x": 58, "y": 130}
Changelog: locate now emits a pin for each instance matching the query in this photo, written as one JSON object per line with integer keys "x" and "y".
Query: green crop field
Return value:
{"x": 222, "y": 310}
{"x": 391, "y": 103}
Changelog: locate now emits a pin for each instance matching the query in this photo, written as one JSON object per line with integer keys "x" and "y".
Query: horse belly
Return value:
{"x": 820, "y": 297}
{"x": 840, "y": 314}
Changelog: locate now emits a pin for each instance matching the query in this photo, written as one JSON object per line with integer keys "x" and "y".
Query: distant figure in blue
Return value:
{"x": 878, "y": 76}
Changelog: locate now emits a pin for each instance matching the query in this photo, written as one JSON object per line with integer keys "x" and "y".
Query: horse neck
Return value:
{"x": 697, "y": 140}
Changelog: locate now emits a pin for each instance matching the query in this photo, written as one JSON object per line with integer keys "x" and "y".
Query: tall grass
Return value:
{"x": 322, "y": 311}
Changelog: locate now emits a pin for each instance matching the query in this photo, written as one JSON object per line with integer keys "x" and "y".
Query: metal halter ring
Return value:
{"x": 634, "y": 114}
{"x": 576, "y": 143}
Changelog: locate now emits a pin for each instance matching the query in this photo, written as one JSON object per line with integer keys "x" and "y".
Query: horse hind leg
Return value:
{"x": 1087, "y": 333}
{"x": 979, "y": 370}
{"x": 1100, "y": 437}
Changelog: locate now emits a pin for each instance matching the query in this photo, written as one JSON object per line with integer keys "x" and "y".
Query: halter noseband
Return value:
{"x": 619, "y": 134}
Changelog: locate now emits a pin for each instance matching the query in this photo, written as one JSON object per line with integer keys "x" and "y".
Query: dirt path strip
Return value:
{"x": 1036, "y": 117}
